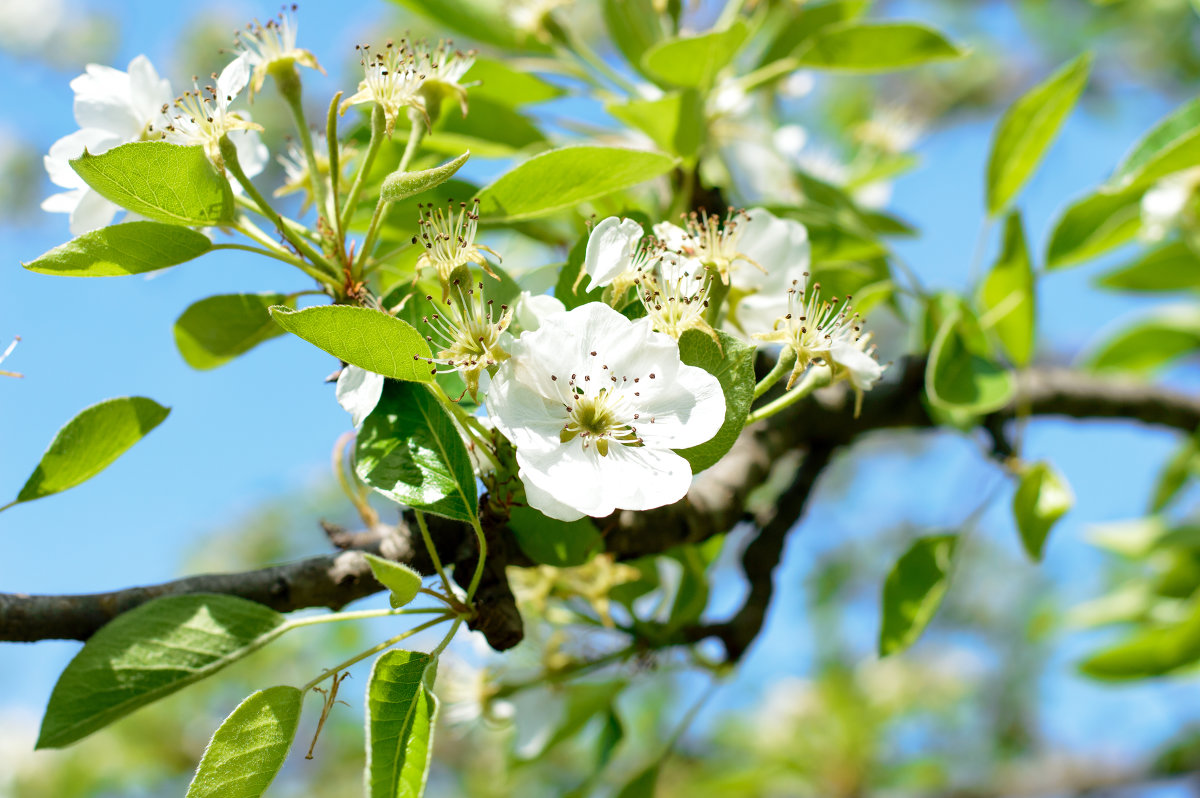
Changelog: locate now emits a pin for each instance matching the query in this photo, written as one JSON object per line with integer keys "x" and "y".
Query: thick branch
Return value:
{"x": 715, "y": 503}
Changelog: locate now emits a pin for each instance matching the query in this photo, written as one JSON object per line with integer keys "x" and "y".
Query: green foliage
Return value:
{"x": 1182, "y": 467}
{"x": 402, "y": 185}
{"x": 148, "y": 653}
{"x": 563, "y": 178}
{"x": 675, "y": 121}
{"x": 401, "y": 711}
{"x": 130, "y": 248}
{"x": 401, "y": 581}
{"x": 1156, "y": 650}
{"x": 217, "y": 329}
{"x": 1093, "y": 225}
{"x": 503, "y": 84}
{"x": 549, "y": 541}
{"x": 410, "y": 451}
{"x": 249, "y": 748}
{"x": 565, "y": 289}
{"x": 914, "y": 590}
{"x": 161, "y": 181}
{"x": 1007, "y": 296}
{"x": 481, "y": 20}
{"x": 90, "y": 442}
{"x": 732, "y": 363}
{"x": 1027, "y": 129}
{"x": 1171, "y": 146}
{"x": 1151, "y": 343}
{"x": 959, "y": 375}
{"x": 362, "y": 337}
{"x": 694, "y": 61}
{"x": 1042, "y": 497}
{"x": 875, "y": 47}
{"x": 799, "y": 23}
{"x": 633, "y": 26}
{"x": 1173, "y": 266}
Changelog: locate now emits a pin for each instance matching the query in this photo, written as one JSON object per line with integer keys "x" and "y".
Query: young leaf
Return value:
{"x": 1155, "y": 650}
{"x": 148, "y": 653}
{"x": 401, "y": 710}
{"x": 1027, "y": 129}
{"x": 250, "y": 746}
{"x": 493, "y": 129}
{"x": 215, "y": 330}
{"x": 1173, "y": 266}
{"x": 802, "y": 22}
{"x": 410, "y": 451}
{"x": 642, "y": 785}
{"x": 875, "y": 47}
{"x": 694, "y": 61}
{"x": 481, "y": 20}
{"x": 1043, "y": 496}
{"x": 633, "y": 26}
{"x": 563, "y": 178}
{"x": 675, "y": 122}
{"x": 1151, "y": 343}
{"x": 914, "y": 590}
{"x": 1171, "y": 146}
{"x": 90, "y": 442}
{"x": 549, "y": 541}
{"x": 957, "y": 378}
{"x": 1093, "y": 225}
{"x": 363, "y": 337}
{"x": 402, "y": 581}
{"x": 129, "y": 248}
{"x": 733, "y": 365}
{"x": 402, "y": 185}
{"x": 164, "y": 182}
{"x": 503, "y": 84}
{"x": 1183, "y": 466}
{"x": 1007, "y": 296}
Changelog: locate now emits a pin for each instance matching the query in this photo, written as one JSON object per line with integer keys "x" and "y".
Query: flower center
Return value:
{"x": 597, "y": 419}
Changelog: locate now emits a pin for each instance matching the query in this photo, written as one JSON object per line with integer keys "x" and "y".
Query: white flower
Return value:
{"x": 471, "y": 337}
{"x": 789, "y": 140}
{"x": 616, "y": 255}
{"x": 532, "y": 308}
{"x": 596, "y": 404}
{"x": 203, "y": 118}
{"x": 295, "y": 167}
{"x": 798, "y": 84}
{"x": 111, "y": 107}
{"x": 449, "y": 241}
{"x": 674, "y": 292}
{"x": 397, "y": 77}
{"x": 358, "y": 391}
{"x": 272, "y": 45}
{"x": 892, "y": 129}
{"x": 1165, "y": 206}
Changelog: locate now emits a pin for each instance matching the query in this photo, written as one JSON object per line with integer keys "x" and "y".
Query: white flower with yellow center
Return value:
{"x": 111, "y": 107}
{"x": 203, "y": 117}
{"x": 449, "y": 240}
{"x": 470, "y": 333}
{"x": 675, "y": 295}
{"x": 271, "y": 46}
{"x": 396, "y": 78}
{"x": 596, "y": 404}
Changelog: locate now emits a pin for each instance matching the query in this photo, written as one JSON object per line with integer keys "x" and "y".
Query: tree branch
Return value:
{"x": 715, "y": 503}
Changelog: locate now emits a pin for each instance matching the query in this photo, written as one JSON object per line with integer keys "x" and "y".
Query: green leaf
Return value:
{"x": 565, "y": 289}
{"x": 362, "y": 337}
{"x": 482, "y": 20}
{"x": 914, "y": 590}
{"x": 403, "y": 582}
{"x": 161, "y": 181}
{"x": 402, "y": 185}
{"x": 1171, "y": 146}
{"x": 799, "y": 23}
{"x": 1028, "y": 128}
{"x": 1155, "y": 650}
{"x": 500, "y": 83}
{"x": 694, "y": 61}
{"x": 1043, "y": 496}
{"x": 1093, "y": 225}
{"x": 549, "y": 541}
{"x": 148, "y": 653}
{"x": 1007, "y": 296}
{"x": 401, "y": 711}
{"x": 129, "y": 248}
{"x": 410, "y": 451}
{"x": 875, "y": 47}
{"x": 1182, "y": 467}
{"x": 958, "y": 378}
{"x": 643, "y": 784}
{"x": 1173, "y": 266}
{"x": 675, "y": 122}
{"x": 90, "y": 442}
{"x": 733, "y": 365}
{"x": 563, "y": 178}
{"x": 250, "y": 746}
{"x": 633, "y": 26}
{"x": 1151, "y": 343}
{"x": 491, "y": 130}
{"x": 691, "y": 596}
{"x": 215, "y": 330}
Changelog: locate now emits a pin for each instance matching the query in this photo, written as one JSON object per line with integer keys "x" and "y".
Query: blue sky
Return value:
{"x": 262, "y": 426}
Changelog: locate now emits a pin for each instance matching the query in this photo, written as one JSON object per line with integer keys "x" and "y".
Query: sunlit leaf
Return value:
{"x": 362, "y": 337}
{"x": 250, "y": 746}
{"x": 402, "y": 581}
{"x": 875, "y": 47}
{"x": 732, "y": 363}
{"x": 401, "y": 711}
{"x": 914, "y": 590}
{"x": 215, "y": 330}
{"x": 1007, "y": 296}
{"x": 129, "y": 248}
{"x": 1042, "y": 497}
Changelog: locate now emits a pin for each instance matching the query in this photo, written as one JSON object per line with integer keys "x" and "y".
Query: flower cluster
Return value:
{"x": 204, "y": 117}
{"x": 272, "y": 46}
{"x": 404, "y": 74}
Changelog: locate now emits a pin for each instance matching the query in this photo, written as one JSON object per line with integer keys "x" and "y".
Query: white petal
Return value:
{"x": 358, "y": 391}
{"x": 72, "y": 146}
{"x": 92, "y": 213}
{"x": 147, "y": 91}
{"x": 233, "y": 79}
{"x": 863, "y": 369}
{"x": 610, "y": 249}
{"x": 102, "y": 100}
{"x": 526, "y": 418}
{"x": 776, "y": 245}
{"x": 532, "y": 308}
{"x": 543, "y": 500}
{"x": 252, "y": 153}
{"x": 687, "y": 409}
{"x": 64, "y": 202}
{"x": 672, "y": 236}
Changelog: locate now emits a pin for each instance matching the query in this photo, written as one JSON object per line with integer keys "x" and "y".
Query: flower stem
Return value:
{"x": 359, "y": 615}
{"x": 478, "y": 575}
{"x": 817, "y": 377}
{"x": 289, "y": 86}
{"x": 415, "y": 134}
{"x": 446, "y": 640}
{"x": 433, "y": 554}
{"x": 378, "y": 132}
{"x": 391, "y": 641}
{"x": 783, "y": 364}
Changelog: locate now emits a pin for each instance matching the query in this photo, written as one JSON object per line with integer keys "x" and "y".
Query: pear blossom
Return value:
{"x": 295, "y": 167}
{"x": 469, "y": 694}
{"x": 531, "y": 308}
{"x": 449, "y": 240}
{"x": 358, "y": 392}
{"x": 471, "y": 336}
{"x": 271, "y": 46}
{"x": 596, "y": 404}
{"x": 112, "y": 108}
{"x": 616, "y": 255}
{"x": 396, "y": 78}
{"x": 204, "y": 118}
{"x": 674, "y": 293}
